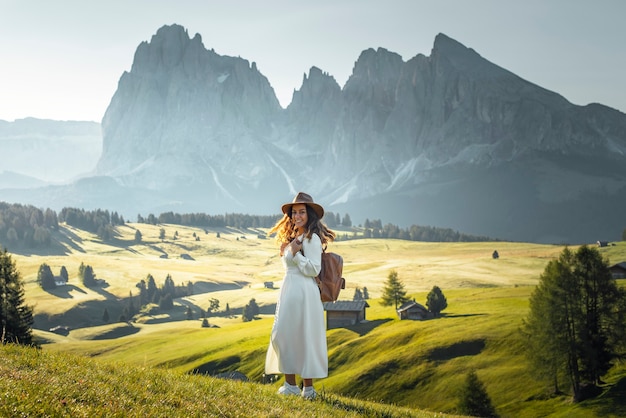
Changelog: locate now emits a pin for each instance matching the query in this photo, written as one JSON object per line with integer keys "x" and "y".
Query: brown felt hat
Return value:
{"x": 305, "y": 199}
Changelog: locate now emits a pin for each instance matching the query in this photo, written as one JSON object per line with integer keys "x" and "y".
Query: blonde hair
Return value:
{"x": 286, "y": 231}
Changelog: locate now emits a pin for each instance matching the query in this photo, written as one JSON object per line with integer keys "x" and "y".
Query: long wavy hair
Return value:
{"x": 286, "y": 231}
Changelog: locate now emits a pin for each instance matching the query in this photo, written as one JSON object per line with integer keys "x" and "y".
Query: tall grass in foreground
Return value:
{"x": 37, "y": 383}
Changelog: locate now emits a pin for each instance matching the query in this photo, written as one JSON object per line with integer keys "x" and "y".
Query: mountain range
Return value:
{"x": 449, "y": 140}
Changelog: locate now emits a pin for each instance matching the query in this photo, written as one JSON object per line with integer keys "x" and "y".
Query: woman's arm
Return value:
{"x": 310, "y": 263}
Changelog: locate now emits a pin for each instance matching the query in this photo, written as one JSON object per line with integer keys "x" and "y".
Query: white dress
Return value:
{"x": 298, "y": 339}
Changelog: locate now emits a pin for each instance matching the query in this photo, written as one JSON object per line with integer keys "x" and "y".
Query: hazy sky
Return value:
{"x": 62, "y": 59}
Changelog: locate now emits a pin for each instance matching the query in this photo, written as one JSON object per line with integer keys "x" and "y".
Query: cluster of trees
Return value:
{"x": 394, "y": 293}
{"x": 361, "y": 294}
{"x": 47, "y": 280}
{"x": 250, "y": 311}
{"x": 164, "y": 296}
{"x": 236, "y": 220}
{"x": 87, "y": 276}
{"x": 30, "y": 226}
{"x": 16, "y": 318}
{"x": 375, "y": 229}
{"x": 100, "y": 222}
{"x": 26, "y": 225}
{"x": 45, "y": 277}
{"x": 576, "y": 326}
{"x": 371, "y": 228}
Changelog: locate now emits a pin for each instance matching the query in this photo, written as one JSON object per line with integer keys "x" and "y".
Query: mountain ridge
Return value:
{"x": 196, "y": 129}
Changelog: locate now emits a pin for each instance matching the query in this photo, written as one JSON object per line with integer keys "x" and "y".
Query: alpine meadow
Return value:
{"x": 139, "y": 355}
{"x": 498, "y": 287}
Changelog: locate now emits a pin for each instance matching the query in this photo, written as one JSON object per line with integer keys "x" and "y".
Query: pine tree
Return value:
{"x": 16, "y": 319}
{"x": 473, "y": 398}
{"x": 138, "y": 236}
{"x": 436, "y": 301}
{"x": 105, "y": 316}
{"x": 358, "y": 295}
{"x": 63, "y": 273}
{"x": 250, "y": 311}
{"x": 86, "y": 274}
{"x": 575, "y": 325}
{"x": 214, "y": 305}
{"x": 393, "y": 292}
{"x": 45, "y": 278}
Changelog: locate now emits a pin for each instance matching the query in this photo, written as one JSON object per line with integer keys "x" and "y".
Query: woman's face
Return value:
{"x": 299, "y": 215}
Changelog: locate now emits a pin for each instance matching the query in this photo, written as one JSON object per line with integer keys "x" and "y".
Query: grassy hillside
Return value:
{"x": 39, "y": 383}
{"x": 407, "y": 363}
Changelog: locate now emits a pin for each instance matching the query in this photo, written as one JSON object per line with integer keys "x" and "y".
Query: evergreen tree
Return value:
{"x": 346, "y": 221}
{"x": 473, "y": 398}
{"x": 189, "y": 313}
{"x": 63, "y": 273}
{"x": 166, "y": 303}
{"x": 45, "y": 278}
{"x": 205, "y": 323}
{"x": 250, "y": 311}
{"x": 162, "y": 234}
{"x": 366, "y": 294}
{"x": 393, "y": 292}
{"x": 16, "y": 319}
{"x": 143, "y": 293}
{"x": 138, "y": 236}
{"x": 358, "y": 295}
{"x": 436, "y": 301}
{"x": 105, "y": 316}
{"x": 86, "y": 275}
{"x": 131, "y": 306}
{"x": 151, "y": 289}
{"x": 214, "y": 306}
{"x": 575, "y": 325}
{"x": 169, "y": 287}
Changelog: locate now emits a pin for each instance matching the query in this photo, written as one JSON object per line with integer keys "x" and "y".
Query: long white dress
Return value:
{"x": 298, "y": 339}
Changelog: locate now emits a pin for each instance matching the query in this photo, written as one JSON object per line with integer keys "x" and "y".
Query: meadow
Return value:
{"x": 412, "y": 364}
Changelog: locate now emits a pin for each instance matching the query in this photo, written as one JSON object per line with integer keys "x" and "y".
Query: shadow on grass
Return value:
{"x": 442, "y": 316}
{"x": 612, "y": 402}
{"x": 218, "y": 366}
{"x": 460, "y": 349}
{"x": 118, "y": 332}
{"x": 65, "y": 291}
{"x": 366, "y": 327}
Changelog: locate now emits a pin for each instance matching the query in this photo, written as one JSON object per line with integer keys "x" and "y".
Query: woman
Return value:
{"x": 298, "y": 340}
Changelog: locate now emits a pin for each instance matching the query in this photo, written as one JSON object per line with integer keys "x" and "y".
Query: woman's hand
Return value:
{"x": 294, "y": 246}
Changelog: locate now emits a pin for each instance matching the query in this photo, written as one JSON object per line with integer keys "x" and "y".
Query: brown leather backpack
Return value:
{"x": 330, "y": 280}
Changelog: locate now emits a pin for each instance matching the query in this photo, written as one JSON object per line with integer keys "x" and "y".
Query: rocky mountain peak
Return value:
{"x": 415, "y": 132}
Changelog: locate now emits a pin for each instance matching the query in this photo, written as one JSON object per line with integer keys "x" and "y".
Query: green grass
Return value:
{"x": 42, "y": 383}
{"x": 412, "y": 364}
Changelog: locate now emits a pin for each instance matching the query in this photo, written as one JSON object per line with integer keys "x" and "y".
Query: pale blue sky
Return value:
{"x": 62, "y": 59}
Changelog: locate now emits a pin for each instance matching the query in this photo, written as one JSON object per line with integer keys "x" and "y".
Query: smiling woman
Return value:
{"x": 298, "y": 339}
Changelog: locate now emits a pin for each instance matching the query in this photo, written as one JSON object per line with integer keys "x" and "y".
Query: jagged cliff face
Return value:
{"x": 448, "y": 140}
{"x": 185, "y": 114}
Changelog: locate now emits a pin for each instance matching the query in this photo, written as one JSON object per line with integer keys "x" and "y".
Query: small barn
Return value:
{"x": 618, "y": 271}
{"x": 59, "y": 281}
{"x": 345, "y": 313}
{"x": 413, "y": 310}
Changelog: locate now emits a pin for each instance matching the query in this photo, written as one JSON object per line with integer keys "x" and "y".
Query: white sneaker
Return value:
{"x": 287, "y": 389}
{"x": 309, "y": 392}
